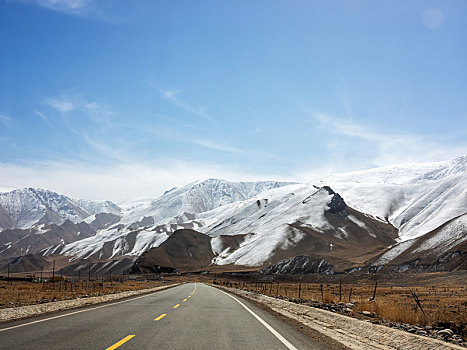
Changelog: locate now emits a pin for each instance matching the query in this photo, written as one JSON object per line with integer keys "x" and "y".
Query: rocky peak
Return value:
{"x": 337, "y": 204}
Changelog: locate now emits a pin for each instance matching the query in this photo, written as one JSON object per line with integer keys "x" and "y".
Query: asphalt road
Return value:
{"x": 189, "y": 316}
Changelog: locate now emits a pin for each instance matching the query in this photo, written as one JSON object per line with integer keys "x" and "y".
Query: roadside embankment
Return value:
{"x": 348, "y": 331}
{"x": 15, "y": 313}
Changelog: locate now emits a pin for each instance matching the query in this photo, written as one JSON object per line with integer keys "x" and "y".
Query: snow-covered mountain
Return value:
{"x": 260, "y": 223}
{"x": 16, "y": 242}
{"x": 415, "y": 198}
{"x": 150, "y": 223}
{"x": 294, "y": 220}
{"x": 285, "y": 222}
{"x": 443, "y": 249}
{"x": 24, "y": 208}
{"x": 197, "y": 197}
{"x": 95, "y": 207}
{"x": 291, "y": 219}
{"x": 424, "y": 201}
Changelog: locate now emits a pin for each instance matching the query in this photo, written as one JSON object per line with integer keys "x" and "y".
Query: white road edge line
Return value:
{"x": 79, "y": 311}
{"x": 272, "y": 330}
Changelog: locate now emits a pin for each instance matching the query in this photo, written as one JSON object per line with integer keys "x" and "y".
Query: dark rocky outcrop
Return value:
{"x": 299, "y": 265}
{"x": 337, "y": 204}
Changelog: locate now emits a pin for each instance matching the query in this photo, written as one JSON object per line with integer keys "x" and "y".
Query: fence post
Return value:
{"x": 374, "y": 292}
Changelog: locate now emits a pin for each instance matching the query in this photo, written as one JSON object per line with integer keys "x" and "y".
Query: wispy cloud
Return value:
{"x": 388, "y": 148}
{"x": 93, "y": 123}
{"x": 74, "y": 7}
{"x": 217, "y": 146}
{"x": 44, "y": 118}
{"x": 88, "y": 9}
{"x": 73, "y": 105}
{"x": 173, "y": 97}
{"x": 62, "y": 104}
{"x": 5, "y": 120}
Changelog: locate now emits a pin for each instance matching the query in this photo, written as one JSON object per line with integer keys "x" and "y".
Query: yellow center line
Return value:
{"x": 176, "y": 306}
{"x": 116, "y": 345}
{"x": 185, "y": 299}
{"x": 160, "y": 317}
{"x": 194, "y": 290}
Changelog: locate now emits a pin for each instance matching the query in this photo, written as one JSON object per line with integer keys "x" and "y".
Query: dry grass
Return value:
{"x": 25, "y": 293}
{"x": 442, "y": 304}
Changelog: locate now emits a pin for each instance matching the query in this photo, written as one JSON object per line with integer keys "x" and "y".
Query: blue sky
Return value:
{"x": 117, "y": 99}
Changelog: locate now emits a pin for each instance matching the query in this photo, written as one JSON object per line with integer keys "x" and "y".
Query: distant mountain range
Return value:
{"x": 402, "y": 218}
{"x": 27, "y": 207}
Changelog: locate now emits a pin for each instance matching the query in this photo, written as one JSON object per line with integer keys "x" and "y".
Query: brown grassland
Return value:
{"x": 15, "y": 293}
{"x": 440, "y": 304}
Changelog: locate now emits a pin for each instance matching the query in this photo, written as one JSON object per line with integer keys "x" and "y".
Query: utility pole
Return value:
{"x": 9, "y": 271}
{"x": 53, "y": 272}
{"x": 41, "y": 272}
{"x": 89, "y": 272}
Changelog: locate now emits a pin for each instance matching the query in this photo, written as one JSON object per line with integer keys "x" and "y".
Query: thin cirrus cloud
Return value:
{"x": 62, "y": 105}
{"x": 173, "y": 97}
{"x": 79, "y": 107}
{"x": 44, "y": 118}
{"x": 86, "y": 9}
{"x": 387, "y": 148}
{"x": 99, "y": 119}
{"x": 218, "y": 146}
{"x": 74, "y": 7}
{"x": 5, "y": 120}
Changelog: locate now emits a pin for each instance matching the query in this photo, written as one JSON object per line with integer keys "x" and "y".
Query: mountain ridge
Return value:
{"x": 260, "y": 223}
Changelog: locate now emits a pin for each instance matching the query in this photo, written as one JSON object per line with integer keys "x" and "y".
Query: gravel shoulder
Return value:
{"x": 21, "y": 312}
{"x": 346, "y": 331}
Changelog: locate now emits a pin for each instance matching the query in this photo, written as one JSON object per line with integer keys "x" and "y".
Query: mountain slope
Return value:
{"x": 16, "y": 242}
{"x": 184, "y": 250}
{"x": 297, "y": 220}
{"x": 443, "y": 249}
{"x": 198, "y": 197}
{"x": 276, "y": 224}
{"x": 151, "y": 223}
{"x": 95, "y": 207}
{"x": 415, "y": 198}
